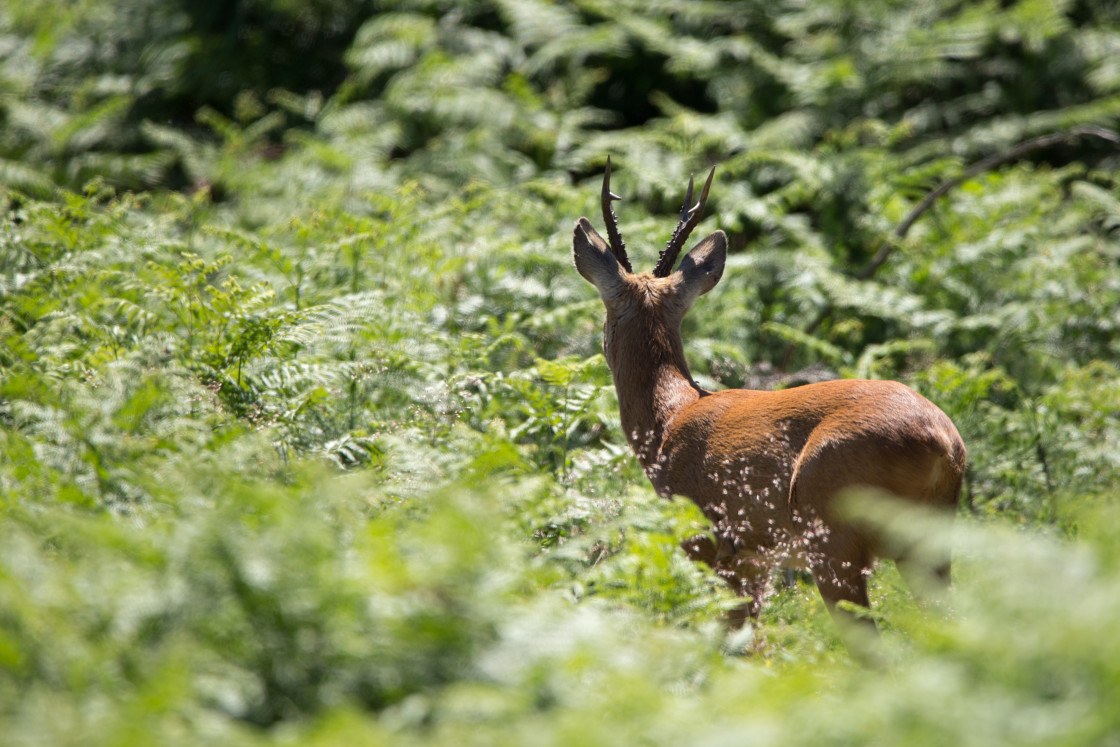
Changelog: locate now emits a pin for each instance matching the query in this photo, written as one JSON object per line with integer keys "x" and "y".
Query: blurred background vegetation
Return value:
{"x": 304, "y": 431}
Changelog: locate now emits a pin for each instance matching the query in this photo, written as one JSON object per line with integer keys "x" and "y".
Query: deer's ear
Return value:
{"x": 702, "y": 268}
{"x": 595, "y": 261}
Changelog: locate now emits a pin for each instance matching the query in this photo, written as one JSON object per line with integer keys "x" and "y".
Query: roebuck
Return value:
{"x": 765, "y": 467}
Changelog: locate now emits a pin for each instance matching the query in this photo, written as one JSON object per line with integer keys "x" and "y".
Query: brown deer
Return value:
{"x": 765, "y": 467}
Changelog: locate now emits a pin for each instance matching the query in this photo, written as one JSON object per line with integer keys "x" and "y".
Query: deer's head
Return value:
{"x": 646, "y": 308}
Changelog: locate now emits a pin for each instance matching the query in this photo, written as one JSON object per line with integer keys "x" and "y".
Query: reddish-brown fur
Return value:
{"x": 765, "y": 467}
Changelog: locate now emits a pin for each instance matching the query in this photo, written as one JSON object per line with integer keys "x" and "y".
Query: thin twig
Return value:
{"x": 985, "y": 164}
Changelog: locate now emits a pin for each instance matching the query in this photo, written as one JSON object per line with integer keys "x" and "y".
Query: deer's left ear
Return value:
{"x": 702, "y": 268}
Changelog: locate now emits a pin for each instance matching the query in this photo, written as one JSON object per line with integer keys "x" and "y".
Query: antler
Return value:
{"x": 689, "y": 218}
{"x": 618, "y": 246}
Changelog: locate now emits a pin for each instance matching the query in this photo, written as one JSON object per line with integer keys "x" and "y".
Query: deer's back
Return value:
{"x": 738, "y": 450}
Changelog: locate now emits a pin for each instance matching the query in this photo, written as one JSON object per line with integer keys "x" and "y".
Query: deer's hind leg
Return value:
{"x": 838, "y": 553}
{"x": 841, "y": 549}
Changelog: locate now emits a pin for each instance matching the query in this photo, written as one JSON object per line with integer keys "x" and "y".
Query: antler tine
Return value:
{"x": 689, "y": 218}
{"x": 687, "y": 201}
{"x": 618, "y": 246}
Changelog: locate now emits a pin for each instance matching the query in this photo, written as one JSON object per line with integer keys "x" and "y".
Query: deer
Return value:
{"x": 769, "y": 469}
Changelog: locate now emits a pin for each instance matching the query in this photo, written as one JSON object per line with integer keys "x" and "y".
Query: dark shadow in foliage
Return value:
{"x": 256, "y": 46}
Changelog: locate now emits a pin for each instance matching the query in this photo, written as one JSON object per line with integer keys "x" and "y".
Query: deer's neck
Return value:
{"x": 653, "y": 384}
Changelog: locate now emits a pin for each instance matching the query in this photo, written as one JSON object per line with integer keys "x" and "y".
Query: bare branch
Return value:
{"x": 985, "y": 164}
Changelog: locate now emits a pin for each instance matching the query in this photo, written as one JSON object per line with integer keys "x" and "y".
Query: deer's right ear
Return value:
{"x": 595, "y": 261}
{"x": 702, "y": 268}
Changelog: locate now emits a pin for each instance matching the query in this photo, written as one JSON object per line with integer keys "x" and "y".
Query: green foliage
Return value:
{"x": 305, "y": 434}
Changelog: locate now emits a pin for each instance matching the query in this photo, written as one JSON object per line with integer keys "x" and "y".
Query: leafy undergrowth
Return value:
{"x": 305, "y": 432}
{"x": 317, "y": 609}
{"x": 337, "y": 480}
